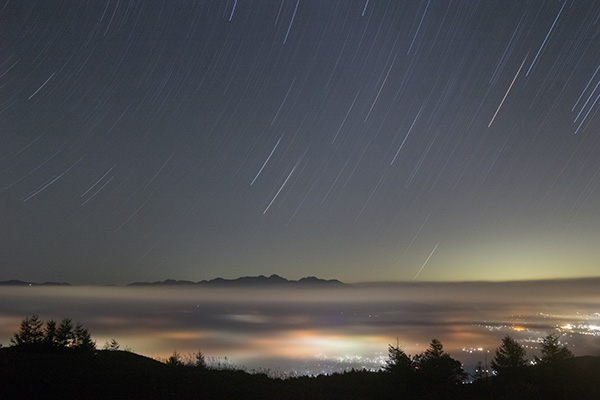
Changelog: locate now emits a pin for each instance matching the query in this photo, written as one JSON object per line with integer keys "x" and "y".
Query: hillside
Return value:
{"x": 124, "y": 375}
{"x": 117, "y": 375}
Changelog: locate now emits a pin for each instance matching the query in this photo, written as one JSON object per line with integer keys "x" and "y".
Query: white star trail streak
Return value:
{"x": 98, "y": 181}
{"x": 587, "y": 113}
{"x": 241, "y": 138}
{"x": 506, "y": 94}
{"x": 41, "y": 87}
{"x": 364, "y": 8}
{"x": 546, "y": 38}
{"x": 50, "y": 182}
{"x": 425, "y": 263}
{"x": 283, "y": 102}
{"x": 99, "y": 190}
{"x": 407, "y": 133}
{"x": 345, "y": 117}
{"x": 585, "y": 88}
{"x": 279, "y": 191}
{"x": 266, "y": 161}
{"x": 586, "y": 102}
{"x": 418, "y": 28}
{"x": 279, "y": 12}
{"x": 381, "y": 88}
{"x": 233, "y": 10}
{"x": 291, "y": 22}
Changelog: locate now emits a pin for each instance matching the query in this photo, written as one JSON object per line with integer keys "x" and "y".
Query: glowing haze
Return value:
{"x": 314, "y": 330}
{"x": 358, "y": 140}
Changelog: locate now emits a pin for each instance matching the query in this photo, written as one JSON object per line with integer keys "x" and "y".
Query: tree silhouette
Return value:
{"x": 50, "y": 333}
{"x": 553, "y": 351}
{"x": 31, "y": 332}
{"x": 400, "y": 366}
{"x": 175, "y": 359}
{"x": 438, "y": 368}
{"x": 510, "y": 358}
{"x": 199, "y": 360}
{"x": 112, "y": 345}
{"x": 82, "y": 340}
{"x": 64, "y": 333}
{"x": 435, "y": 350}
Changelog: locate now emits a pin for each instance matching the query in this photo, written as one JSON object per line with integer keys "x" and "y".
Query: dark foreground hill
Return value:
{"x": 119, "y": 375}
{"x": 124, "y": 375}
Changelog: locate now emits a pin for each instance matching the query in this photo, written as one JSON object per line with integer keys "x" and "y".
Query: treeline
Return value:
{"x": 431, "y": 374}
{"x": 34, "y": 334}
{"x": 436, "y": 371}
{"x": 433, "y": 368}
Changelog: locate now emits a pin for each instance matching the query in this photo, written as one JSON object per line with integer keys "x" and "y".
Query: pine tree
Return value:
{"x": 510, "y": 358}
{"x": 398, "y": 362}
{"x": 64, "y": 333}
{"x": 400, "y": 368}
{"x": 553, "y": 351}
{"x": 82, "y": 340}
{"x": 50, "y": 333}
{"x": 175, "y": 359}
{"x": 435, "y": 350}
{"x": 199, "y": 360}
{"x": 112, "y": 345}
{"x": 31, "y": 332}
{"x": 438, "y": 368}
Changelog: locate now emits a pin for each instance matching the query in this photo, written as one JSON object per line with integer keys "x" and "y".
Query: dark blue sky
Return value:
{"x": 358, "y": 140}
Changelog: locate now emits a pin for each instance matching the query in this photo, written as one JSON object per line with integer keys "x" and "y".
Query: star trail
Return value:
{"x": 146, "y": 140}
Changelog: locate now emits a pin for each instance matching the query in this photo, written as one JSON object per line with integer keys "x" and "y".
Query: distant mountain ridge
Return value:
{"x": 247, "y": 281}
{"x": 16, "y": 282}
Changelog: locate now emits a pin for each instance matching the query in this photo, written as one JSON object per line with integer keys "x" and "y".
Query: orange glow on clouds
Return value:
{"x": 308, "y": 343}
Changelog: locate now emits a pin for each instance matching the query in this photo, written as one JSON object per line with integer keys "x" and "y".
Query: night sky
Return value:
{"x": 365, "y": 140}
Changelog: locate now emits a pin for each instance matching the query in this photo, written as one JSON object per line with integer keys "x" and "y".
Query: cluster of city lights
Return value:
{"x": 472, "y": 350}
{"x": 581, "y": 329}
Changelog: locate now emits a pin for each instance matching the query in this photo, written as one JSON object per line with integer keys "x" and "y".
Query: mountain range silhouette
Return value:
{"x": 245, "y": 281}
